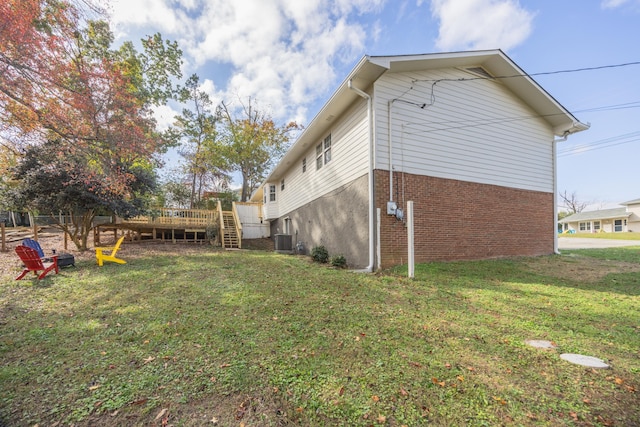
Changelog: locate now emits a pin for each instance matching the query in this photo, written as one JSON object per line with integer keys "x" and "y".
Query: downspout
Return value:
{"x": 554, "y": 154}
{"x": 372, "y": 205}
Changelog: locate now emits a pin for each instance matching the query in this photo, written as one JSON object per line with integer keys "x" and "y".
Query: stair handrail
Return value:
{"x": 221, "y": 217}
{"x": 236, "y": 220}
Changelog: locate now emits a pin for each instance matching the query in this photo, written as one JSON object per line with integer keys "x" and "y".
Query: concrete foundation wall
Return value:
{"x": 337, "y": 220}
{"x": 457, "y": 220}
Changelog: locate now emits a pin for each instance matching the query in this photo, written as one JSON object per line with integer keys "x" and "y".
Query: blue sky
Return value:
{"x": 290, "y": 55}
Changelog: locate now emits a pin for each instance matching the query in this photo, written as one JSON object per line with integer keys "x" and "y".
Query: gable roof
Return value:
{"x": 597, "y": 215}
{"x": 631, "y": 202}
{"x": 370, "y": 68}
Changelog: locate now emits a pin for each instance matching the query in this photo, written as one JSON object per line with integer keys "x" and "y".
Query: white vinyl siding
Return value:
{"x": 475, "y": 131}
{"x": 349, "y": 147}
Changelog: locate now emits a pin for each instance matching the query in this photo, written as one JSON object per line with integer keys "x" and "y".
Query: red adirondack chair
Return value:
{"x": 33, "y": 262}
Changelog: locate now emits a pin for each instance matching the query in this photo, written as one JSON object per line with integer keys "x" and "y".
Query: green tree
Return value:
{"x": 195, "y": 129}
{"x": 252, "y": 144}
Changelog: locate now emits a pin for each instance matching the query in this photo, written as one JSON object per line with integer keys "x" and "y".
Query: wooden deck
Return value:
{"x": 184, "y": 225}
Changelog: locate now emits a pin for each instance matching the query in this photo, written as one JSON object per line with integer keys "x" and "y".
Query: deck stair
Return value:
{"x": 230, "y": 237}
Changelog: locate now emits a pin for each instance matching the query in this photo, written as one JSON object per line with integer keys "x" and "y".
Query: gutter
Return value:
{"x": 372, "y": 206}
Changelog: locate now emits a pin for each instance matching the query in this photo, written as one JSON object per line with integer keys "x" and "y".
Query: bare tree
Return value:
{"x": 572, "y": 203}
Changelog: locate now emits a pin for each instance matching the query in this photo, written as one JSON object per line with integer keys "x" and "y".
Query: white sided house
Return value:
{"x": 614, "y": 220}
{"x": 469, "y": 137}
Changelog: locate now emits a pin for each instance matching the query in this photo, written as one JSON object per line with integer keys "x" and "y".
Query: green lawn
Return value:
{"x": 260, "y": 339}
{"x": 614, "y": 236}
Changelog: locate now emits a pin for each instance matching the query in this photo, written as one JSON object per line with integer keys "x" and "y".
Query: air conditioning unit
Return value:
{"x": 283, "y": 243}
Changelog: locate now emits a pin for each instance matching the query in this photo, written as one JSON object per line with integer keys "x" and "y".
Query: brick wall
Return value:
{"x": 457, "y": 220}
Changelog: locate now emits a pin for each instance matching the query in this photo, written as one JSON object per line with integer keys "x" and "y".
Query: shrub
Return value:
{"x": 320, "y": 254}
{"x": 339, "y": 261}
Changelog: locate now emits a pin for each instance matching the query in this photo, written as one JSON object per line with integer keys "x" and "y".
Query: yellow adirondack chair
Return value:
{"x": 101, "y": 256}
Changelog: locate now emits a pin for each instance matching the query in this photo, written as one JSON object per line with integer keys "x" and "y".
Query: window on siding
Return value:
{"x": 318, "y": 156}
{"x": 304, "y": 165}
{"x": 617, "y": 225}
{"x": 327, "y": 149}
{"x": 585, "y": 226}
{"x": 596, "y": 225}
{"x": 272, "y": 193}
{"x": 323, "y": 152}
{"x": 282, "y": 185}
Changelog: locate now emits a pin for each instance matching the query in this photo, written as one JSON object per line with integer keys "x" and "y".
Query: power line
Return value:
{"x": 600, "y": 144}
{"x": 543, "y": 73}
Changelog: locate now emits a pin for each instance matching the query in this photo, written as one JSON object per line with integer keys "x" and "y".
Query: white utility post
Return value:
{"x": 411, "y": 266}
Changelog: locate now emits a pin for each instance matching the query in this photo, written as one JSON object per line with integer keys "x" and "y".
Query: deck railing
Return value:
{"x": 199, "y": 218}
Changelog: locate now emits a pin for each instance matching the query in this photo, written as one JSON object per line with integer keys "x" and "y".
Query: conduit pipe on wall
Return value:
{"x": 372, "y": 204}
{"x": 389, "y": 113}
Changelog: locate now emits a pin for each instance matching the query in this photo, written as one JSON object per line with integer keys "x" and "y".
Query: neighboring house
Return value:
{"x": 467, "y": 136}
{"x": 614, "y": 220}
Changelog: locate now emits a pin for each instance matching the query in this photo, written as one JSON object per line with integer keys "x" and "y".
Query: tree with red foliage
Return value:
{"x": 61, "y": 81}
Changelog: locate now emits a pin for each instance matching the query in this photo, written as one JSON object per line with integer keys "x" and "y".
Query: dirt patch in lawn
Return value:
{"x": 577, "y": 267}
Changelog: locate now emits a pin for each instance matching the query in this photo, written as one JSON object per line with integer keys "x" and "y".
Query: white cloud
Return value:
{"x": 280, "y": 52}
{"x": 481, "y": 24}
{"x": 164, "y": 116}
{"x": 611, "y": 4}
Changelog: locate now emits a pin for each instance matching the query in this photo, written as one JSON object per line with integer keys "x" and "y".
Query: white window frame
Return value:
{"x": 323, "y": 152}
{"x": 272, "y": 193}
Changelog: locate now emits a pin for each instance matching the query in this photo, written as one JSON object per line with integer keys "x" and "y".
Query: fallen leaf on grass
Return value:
{"x": 382, "y": 419}
{"x": 161, "y": 414}
{"x": 438, "y": 382}
{"x": 619, "y": 380}
{"x": 225, "y": 365}
{"x": 375, "y": 398}
{"x": 341, "y": 391}
{"x": 500, "y": 400}
{"x": 404, "y": 392}
{"x": 94, "y": 387}
{"x": 149, "y": 359}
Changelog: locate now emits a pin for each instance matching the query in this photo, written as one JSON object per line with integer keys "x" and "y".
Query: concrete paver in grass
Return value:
{"x": 578, "y": 359}
{"x": 541, "y": 344}
{"x": 589, "y": 361}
